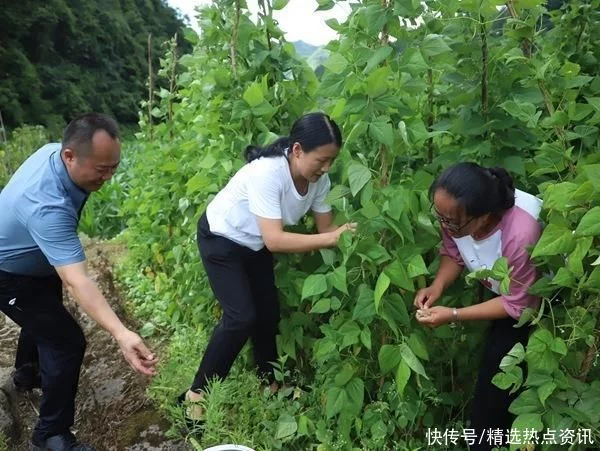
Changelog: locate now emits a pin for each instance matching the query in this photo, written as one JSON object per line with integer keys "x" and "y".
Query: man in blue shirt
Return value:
{"x": 39, "y": 252}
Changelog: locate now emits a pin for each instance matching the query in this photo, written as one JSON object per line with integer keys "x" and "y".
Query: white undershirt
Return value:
{"x": 264, "y": 188}
{"x": 482, "y": 254}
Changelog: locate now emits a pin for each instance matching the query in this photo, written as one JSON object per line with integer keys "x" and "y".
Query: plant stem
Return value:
{"x": 484, "y": 72}
{"x": 383, "y": 150}
{"x": 172, "y": 82}
{"x": 150, "y": 85}
{"x": 234, "y": 38}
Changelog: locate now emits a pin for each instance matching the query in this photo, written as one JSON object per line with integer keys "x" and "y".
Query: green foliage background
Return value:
{"x": 415, "y": 86}
{"x": 60, "y": 58}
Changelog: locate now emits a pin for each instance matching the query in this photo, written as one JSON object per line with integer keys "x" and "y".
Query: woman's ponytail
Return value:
{"x": 506, "y": 188}
{"x": 276, "y": 149}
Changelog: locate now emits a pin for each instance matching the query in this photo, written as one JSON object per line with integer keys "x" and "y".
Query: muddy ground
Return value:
{"x": 113, "y": 412}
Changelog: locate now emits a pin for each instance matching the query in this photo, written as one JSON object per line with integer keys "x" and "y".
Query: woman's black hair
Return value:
{"x": 477, "y": 189}
{"x": 312, "y": 130}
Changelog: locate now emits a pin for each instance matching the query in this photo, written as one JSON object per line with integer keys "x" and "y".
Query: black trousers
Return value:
{"x": 243, "y": 282}
{"x": 50, "y": 338}
{"x": 489, "y": 409}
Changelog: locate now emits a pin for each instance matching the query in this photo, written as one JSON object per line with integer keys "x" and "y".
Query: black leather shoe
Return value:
{"x": 26, "y": 378}
{"x": 60, "y": 442}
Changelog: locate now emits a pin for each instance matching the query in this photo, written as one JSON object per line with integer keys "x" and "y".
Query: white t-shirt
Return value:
{"x": 264, "y": 188}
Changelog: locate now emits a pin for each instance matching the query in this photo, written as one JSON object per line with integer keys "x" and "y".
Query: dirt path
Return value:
{"x": 112, "y": 410}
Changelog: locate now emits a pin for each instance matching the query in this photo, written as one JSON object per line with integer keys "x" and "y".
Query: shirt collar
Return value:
{"x": 77, "y": 194}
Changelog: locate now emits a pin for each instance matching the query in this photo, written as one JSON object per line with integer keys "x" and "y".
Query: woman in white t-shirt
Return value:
{"x": 484, "y": 218}
{"x": 242, "y": 227}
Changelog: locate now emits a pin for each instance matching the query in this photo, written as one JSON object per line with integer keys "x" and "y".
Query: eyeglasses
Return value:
{"x": 448, "y": 224}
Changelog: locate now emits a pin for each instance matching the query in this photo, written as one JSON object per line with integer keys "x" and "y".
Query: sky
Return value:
{"x": 298, "y": 19}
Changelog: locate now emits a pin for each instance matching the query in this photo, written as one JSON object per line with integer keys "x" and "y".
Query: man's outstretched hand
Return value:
{"x": 136, "y": 353}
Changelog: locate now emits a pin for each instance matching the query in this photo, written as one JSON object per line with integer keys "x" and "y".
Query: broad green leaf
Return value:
{"x": 337, "y": 192}
{"x": 402, "y": 376}
{"x": 336, "y": 63}
{"x": 412, "y": 361}
{"x": 579, "y": 81}
{"x": 539, "y": 351}
{"x": 399, "y": 276}
{"x": 556, "y": 239}
{"x": 338, "y": 279}
{"x": 406, "y": 8}
{"x": 350, "y": 333}
{"x": 314, "y": 285}
{"x": 197, "y": 183}
{"x": 389, "y": 357}
{"x": 575, "y": 261}
{"x": 336, "y": 401}
{"x": 592, "y": 171}
{"x": 545, "y": 390}
{"x": 589, "y": 401}
{"x": 416, "y": 267}
{"x": 321, "y": 306}
{"x": 594, "y": 102}
{"x": 558, "y": 196}
{"x": 325, "y": 5}
{"x": 583, "y": 194}
{"x": 253, "y": 95}
{"x": 559, "y": 346}
{"x": 502, "y": 380}
{"x": 434, "y": 45}
{"x": 529, "y": 422}
{"x": 358, "y": 176}
{"x": 355, "y": 390}
{"x": 380, "y": 54}
{"x": 527, "y": 402}
{"x": 523, "y": 111}
{"x": 382, "y": 132}
{"x": 377, "y": 82}
{"x": 328, "y": 256}
{"x": 334, "y": 24}
{"x": 582, "y": 131}
{"x": 286, "y": 426}
{"x": 365, "y": 337}
{"x": 511, "y": 377}
{"x": 500, "y": 268}
{"x": 279, "y": 4}
{"x": 540, "y": 340}
{"x": 383, "y": 283}
{"x": 543, "y": 287}
{"x": 514, "y": 165}
{"x": 359, "y": 129}
{"x": 394, "y": 312}
{"x": 589, "y": 225}
{"x": 365, "y": 307}
{"x": 417, "y": 346}
{"x": 344, "y": 375}
{"x": 564, "y": 278}
{"x": 537, "y": 378}
{"x": 558, "y": 119}
{"x": 513, "y": 357}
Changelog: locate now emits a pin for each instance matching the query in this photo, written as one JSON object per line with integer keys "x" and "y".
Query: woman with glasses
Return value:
{"x": 484, "y": 218}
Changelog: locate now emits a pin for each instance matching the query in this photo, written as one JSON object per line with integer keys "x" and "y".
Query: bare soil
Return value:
{"x": 113, "y": 412}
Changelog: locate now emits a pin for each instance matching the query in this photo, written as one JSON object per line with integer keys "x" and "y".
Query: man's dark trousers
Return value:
{"x": 51, "y": 335}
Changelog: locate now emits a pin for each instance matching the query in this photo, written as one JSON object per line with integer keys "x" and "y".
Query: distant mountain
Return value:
{"x": 304, "y": 48}
{"x": 314, "y": 55}
{"x": 318, "y": 57}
